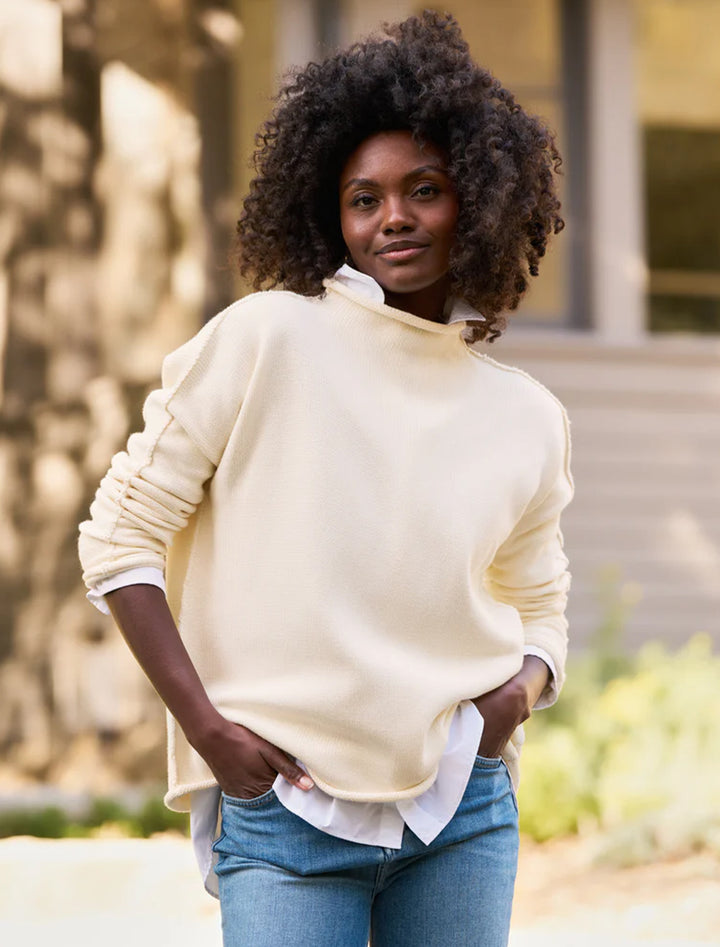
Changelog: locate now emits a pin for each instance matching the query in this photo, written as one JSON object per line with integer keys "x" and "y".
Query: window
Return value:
{"x": 523, "y": 42}
{"x": 679, "y": 85}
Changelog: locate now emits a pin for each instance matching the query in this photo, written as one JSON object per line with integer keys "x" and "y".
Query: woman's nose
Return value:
{"x": 397, "y": 216}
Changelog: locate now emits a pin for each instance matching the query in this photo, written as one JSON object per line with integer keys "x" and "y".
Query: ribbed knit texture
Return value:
{"x": 364, "y": 519}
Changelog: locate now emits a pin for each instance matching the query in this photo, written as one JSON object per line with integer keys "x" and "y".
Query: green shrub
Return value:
{"x": 636, "y": 755}
{"x": 52, "y": 822}
{"x": 156, "y": 817}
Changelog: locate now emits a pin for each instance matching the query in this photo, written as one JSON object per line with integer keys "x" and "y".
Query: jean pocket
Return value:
{"x": 253, "y": 802}
{"x": 488, "y": 762}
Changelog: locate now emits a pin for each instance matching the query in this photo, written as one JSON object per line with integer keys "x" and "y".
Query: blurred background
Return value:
{"x": 126, "y": 128}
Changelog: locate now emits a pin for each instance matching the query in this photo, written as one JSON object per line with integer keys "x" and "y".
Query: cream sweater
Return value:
{"x": 364, "y": 519}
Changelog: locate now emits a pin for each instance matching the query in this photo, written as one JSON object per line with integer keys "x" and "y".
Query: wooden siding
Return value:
{"x": 645, "y": 522}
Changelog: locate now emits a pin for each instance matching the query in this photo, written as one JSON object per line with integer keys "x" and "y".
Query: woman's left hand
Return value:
{"x": 506, "y": 707}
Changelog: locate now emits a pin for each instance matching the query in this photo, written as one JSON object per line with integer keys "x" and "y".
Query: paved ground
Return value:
{"x": 562, "y": 900}
{"x": 133, "y": 893}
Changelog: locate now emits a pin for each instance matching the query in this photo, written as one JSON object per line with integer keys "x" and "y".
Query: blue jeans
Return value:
{"x": 283, "y": 881}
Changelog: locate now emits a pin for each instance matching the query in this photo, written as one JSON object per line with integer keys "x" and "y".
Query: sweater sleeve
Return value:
{"x": 147, "y": 495}
{"x": 529, "y": 570}
{"x": 153, "y": 487}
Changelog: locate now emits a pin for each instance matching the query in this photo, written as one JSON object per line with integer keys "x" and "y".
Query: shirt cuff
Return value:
{"x": 550, "y": 694}
{"x": 144, "y": 576}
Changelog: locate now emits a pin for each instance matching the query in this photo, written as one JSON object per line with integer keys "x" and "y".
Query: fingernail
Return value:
{"x": 305, "y": 782}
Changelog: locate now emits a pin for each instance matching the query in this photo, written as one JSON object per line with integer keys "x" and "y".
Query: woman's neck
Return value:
{"x": 428, "y": 303}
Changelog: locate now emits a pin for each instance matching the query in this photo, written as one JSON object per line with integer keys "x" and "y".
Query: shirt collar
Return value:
{"x": 457, "y": 309}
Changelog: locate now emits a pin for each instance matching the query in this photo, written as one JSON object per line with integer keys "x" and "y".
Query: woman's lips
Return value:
{"x": 401, "y": 254}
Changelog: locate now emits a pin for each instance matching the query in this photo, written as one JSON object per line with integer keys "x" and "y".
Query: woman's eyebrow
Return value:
{"x": 368, "y": 182}
{"x": 425, "y": 167}
{"x": 361, "y": 182}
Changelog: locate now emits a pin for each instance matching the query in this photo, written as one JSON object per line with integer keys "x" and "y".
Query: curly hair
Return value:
{"x": 419, "y": 77}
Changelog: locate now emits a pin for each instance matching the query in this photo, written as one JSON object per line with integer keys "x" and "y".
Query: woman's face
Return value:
{"x": 398, "y": 211}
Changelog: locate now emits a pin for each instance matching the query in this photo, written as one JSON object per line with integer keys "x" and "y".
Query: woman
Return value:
{"x": 362, "y": 511}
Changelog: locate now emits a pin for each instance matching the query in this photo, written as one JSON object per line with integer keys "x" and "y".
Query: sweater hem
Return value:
{"x": 175, "y": 800}
{"x": 353, "y": 796}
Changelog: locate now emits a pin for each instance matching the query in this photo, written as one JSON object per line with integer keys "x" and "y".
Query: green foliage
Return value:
{"x": 156, "y": 817}
{"x": 636, "y": 755}
{"x": 52, "y": 822}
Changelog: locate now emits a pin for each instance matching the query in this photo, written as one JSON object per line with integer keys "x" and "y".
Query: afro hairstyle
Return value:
{"x": 417, "y": 76}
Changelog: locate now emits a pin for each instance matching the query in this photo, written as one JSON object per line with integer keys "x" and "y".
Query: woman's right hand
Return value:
{"x": 244, "y": 764}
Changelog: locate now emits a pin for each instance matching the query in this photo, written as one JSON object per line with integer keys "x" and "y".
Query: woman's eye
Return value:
{"x": 363, "y": 200}
{"x": 426, "y": 190}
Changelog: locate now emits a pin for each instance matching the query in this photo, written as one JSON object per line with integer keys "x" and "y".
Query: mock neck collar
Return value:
{"x": 360, "y": 284}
